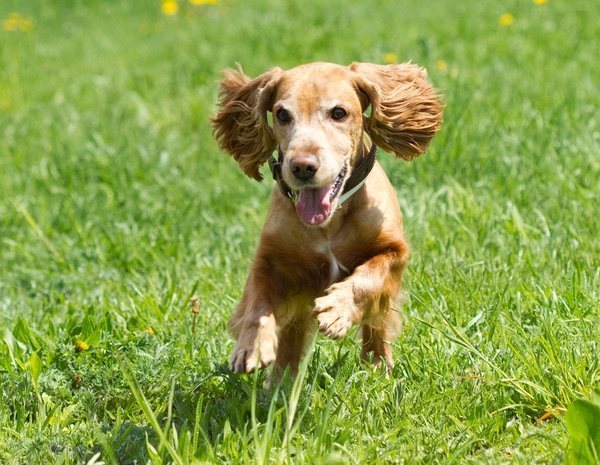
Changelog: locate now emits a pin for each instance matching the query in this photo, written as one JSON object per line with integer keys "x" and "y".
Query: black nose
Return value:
{"x": 304, "y": 167}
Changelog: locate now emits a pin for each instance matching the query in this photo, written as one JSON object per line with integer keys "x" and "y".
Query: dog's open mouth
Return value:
{"x": 314, "y": 205}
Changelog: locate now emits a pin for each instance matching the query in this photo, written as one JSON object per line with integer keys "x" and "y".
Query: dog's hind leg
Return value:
{"x": 378, "y": 334}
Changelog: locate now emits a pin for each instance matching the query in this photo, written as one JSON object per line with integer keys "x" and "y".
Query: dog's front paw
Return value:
{"x": 254, "y": 351}
{"x": 335, "y": 312}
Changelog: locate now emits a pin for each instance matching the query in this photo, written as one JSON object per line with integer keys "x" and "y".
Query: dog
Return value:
{"x": 332, "y": 250}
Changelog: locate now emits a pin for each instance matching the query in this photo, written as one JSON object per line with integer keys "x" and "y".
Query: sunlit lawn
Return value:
{"x": 116, "y": 207}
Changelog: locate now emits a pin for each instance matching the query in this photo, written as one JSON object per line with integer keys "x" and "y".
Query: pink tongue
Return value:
{"x": 313, "y": 206}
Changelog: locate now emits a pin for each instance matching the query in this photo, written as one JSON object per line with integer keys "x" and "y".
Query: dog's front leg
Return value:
{"x": 253, "y": 326}
{"x": 256, "y": 345}
{"x": 376, "y": 280}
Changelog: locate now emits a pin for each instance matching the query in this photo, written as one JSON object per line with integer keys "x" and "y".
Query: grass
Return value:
{"x": 116, "y": 207}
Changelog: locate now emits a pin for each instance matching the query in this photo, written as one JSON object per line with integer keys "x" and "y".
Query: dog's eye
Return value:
{"x": 283, "y": 115}
{"x": 338, "y": 113}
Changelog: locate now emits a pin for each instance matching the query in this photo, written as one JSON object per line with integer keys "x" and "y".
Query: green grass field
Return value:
{"x": 116, "y": 207}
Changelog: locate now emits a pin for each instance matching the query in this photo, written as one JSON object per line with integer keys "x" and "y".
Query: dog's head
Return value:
{"x": 318, "y": 119}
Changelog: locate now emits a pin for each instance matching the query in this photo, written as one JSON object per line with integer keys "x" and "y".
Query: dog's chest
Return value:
{"x": 336, "y": 268}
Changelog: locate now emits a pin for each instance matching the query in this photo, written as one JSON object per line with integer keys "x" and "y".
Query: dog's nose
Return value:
{"x": 304, "y": 167}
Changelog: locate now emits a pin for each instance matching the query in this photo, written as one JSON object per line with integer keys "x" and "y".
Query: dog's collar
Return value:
{"x": 353, "y": 184}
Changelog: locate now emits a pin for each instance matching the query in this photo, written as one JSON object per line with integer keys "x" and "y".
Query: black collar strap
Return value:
{"x": 275, "y": 167}
{"x": 353, "y": 184}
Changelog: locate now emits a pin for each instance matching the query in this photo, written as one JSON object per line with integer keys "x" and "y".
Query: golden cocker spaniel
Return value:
{"x": 332, "y": 250}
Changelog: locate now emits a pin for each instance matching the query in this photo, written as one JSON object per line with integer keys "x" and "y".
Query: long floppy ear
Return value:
{"x": 406, "y": 111}
{"x": 240, "y": 126}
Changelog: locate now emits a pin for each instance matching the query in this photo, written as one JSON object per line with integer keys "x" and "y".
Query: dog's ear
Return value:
{"x": 240, "y": 126}
{"x": 406, "y": 111}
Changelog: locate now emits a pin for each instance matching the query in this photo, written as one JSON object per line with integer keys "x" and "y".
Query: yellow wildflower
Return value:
{"x": 149, "y": 331}
{"x": 17, "y": 22}
{"x": 506, "y": 20}
{"x": 203, "y": 2}
{"x": 170, "y": 7}
{"x": 441, "y": 65}
{"x": 9, "y": 25}
{"x": 26, "y": 25}
{"x": 12, "y": 22}
{"x": 81, "y": 346}
{"x": 390, "y": 58}
{"x": 540, "y": 2}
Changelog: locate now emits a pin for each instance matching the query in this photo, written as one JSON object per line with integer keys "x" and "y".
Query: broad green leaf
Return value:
{"x": 583, "y": 425}
{"x": 23, "y": 333}
{"x": 35, "y": 367}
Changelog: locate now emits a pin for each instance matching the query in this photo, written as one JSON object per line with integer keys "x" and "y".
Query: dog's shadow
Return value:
{"x": 224, "y": 407}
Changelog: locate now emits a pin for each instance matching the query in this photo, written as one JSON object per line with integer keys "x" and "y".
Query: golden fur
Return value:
{"x": 319, "y": 264}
